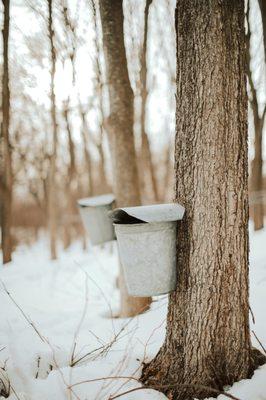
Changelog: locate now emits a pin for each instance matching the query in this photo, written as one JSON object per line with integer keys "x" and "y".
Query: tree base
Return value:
{"x": 156, "y": 376}
{"x": 258, "y": 359}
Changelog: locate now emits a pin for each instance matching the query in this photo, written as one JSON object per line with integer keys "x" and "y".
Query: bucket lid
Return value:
{"x": 153, "y": 213}
{"x": 103, "y": 200}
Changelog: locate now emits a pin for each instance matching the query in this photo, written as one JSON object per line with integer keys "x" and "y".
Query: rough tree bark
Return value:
{"x": 257, "y": 162}
{"x": 120, "y": 123}
{"x": 208, "y": 340}
{"x": 147, "y": 178}
{"x": 6, "y": 162}
{"x": 52, "y": 204}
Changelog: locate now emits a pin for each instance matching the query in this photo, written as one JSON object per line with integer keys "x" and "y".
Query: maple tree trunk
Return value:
{"x": 148, "y": 180}
{"x": 168, "y": 176}
{"x": 89, "y": 188}
{"x": 207, "y": 339}
{"x": 120, "y": 123}
{"x": 257, "y": 207}
{"x": 52, "y": 203}
{"x": 256, "y": 172}
{"x": 99, "y": 82}
{"x": 70, "y": 181}
{"x": 257, "y": 164}
{"x": 101, "y": 169}
{"x": 6, "y": 162}
{"x": 262, "y": 5}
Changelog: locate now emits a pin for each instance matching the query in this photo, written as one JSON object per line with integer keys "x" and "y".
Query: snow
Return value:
{"x": 68, "y": 304}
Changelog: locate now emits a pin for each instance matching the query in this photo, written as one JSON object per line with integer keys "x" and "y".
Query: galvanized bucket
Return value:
{"x": 147, "y": 247}
{"x": 94, "y": 214}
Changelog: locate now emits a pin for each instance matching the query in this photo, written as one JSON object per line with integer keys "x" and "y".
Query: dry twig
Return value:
{"x": 258, "y": 340}
{"x": 161, "y": 387}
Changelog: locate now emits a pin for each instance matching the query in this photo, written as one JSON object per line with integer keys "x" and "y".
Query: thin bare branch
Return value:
{"x": 30, "y": 322}
{"x": 258, "y": 340}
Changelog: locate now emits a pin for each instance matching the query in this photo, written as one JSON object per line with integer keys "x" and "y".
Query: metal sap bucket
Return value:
{"x": 94, "y": 214}
{"x": 147, "y": 247}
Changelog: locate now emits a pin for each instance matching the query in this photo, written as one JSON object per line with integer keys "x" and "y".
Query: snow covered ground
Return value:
{"x": 58, "y": 314}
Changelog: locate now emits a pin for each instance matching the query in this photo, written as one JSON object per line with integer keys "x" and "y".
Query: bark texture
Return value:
{"x": 207, "y": 339}
{"x": 120, "y": 127}
{"x": 6, "y": 161}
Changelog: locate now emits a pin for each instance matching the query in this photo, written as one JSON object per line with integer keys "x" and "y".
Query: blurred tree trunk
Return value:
{"x": 70, "y": 180}
{"x": 262, "y": 4}
{"x": 257, "y": 162}
{"x": 101, "y": 171}
{"x": 167, "y": 193}
{"x": 120, "y": 123}
{"x": 71, "y": 146}
{"x": 147, "y": 177}
{"x": 208, "y": 339}
{"x": 99, "y": 90}
{"x": 257, "y": 168}
{"x": 73, "y": 180}
{"x": 89, "y": 189}
{"x": 52, "y": 202}
{"x": 6, "y": 167}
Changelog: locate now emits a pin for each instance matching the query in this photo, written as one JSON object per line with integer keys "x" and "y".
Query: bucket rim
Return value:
{"x": 96, "y": 201}
{"x": 144, "y": 226}
{"x": 150, "y": 293}
{"x": 153, "y": 213}
{"x": 147, "y": 223}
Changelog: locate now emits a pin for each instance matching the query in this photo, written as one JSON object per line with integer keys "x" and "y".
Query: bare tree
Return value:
{"x": 257, "y": 162}
{"x": 120, "y": 124}
{"x": 262, "y": 5}
{"x": 208, "y": 339}
{"x": 52, "y": 203}
{"x": 148, "y": 178}
{"x": 70, "y": 43}
{"x": 100, "y": 96}
{"x": 6, "y": 162}
{"x": 85, "y": 134}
